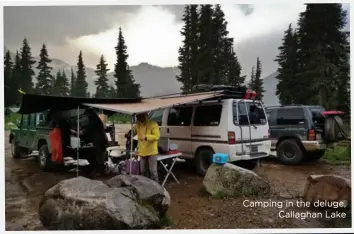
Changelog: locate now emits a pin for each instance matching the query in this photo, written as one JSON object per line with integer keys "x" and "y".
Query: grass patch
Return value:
{"x": 11, "y": 120}
{"x": 166, "y": 221}
{"x": 219, "y": 195}
{"x": 149, "y": 207}
{"x": 340, "y": 155}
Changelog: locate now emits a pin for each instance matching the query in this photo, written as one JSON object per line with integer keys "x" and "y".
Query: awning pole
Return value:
{"x": 78, "y": 137}
{"x": 131, "y": 143}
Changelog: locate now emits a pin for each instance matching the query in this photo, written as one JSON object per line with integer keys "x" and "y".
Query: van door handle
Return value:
{"x": 168, "y": 130}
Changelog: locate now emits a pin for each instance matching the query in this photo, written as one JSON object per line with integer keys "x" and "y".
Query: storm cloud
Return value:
{"x": 151, "y": 32}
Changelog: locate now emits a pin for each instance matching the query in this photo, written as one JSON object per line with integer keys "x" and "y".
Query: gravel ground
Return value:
{"x": 190, "y": 209}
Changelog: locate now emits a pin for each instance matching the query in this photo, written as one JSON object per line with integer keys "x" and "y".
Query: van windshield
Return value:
{"x": 255, "y": 111}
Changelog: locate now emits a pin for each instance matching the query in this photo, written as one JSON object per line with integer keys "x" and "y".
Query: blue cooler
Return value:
{"x": 220, "y": 158}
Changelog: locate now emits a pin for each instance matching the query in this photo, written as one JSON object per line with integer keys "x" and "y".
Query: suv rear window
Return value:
{"x": 255, "y": 111}
{"x": 317, "y": 117}
{"x": 316, "y": 110}
{"x": 207, "y": 115}
{"x": 290, "y": 116}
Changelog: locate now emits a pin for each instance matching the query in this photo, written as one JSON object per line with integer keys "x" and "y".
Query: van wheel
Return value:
{"x": 314, "y": 156}
{"x": 44, "y": 158}
{"x": 203, "y": 160}
{"x": 289, "y": 152}
{"x": 15, "y": 150}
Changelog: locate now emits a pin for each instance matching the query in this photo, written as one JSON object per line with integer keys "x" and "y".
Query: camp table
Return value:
{"x": 117, "y": 152}
{"x": 174, "y": 157}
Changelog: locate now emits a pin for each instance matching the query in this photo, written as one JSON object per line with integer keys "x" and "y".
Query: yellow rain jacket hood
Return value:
{"x": 151, "y": 130}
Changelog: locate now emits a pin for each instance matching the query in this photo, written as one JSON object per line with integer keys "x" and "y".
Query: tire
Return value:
{"x": 44, "y": 160}
{"x": 247, "y": 164}
{"x": 15, "y": 150}
{"x": 203, "y": 160}
{"x": 290, "y": 152}
{"x": 314, "y": 156}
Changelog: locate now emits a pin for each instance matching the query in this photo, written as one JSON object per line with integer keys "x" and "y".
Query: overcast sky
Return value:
{"x": 152, "y": 33}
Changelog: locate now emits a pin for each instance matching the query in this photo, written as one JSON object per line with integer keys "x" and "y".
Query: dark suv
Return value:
{"x": 298, "y": 132}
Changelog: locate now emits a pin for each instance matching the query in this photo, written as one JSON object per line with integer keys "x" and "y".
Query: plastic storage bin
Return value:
{"x": 220, "y": 158}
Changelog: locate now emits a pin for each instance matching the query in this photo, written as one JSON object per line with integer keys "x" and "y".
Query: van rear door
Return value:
{"x": 254, "y": 130}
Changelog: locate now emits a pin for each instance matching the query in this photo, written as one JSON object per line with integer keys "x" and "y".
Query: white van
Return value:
{"x": 237, "y": 127}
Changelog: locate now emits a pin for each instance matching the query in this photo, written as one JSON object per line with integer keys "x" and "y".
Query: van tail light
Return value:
{"x": 311, "y": 135}
{"x": 231, "y": 138}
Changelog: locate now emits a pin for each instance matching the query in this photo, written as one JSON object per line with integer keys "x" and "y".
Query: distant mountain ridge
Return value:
{"x": 154, "y": 80}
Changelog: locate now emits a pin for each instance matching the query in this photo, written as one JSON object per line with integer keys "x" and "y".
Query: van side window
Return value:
{"x": 207, "y": 115}
{"x": 179, "y": 116}
{"x": 157, "y": 116}
{"x": 290, "y": 116}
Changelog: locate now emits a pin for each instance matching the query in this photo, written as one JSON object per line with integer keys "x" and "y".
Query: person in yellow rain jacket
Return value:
{"x": 148, "y": 133}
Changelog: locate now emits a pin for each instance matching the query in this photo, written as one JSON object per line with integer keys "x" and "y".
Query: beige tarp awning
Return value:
{"x": 150, "y": 104}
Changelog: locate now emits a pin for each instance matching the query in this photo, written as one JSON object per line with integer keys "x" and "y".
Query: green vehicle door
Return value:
{"x": 31, "y": 131}
{"x": 21, "y": 134}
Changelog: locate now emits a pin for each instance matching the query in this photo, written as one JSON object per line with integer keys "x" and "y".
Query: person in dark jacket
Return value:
{"x": 95, "y": 133}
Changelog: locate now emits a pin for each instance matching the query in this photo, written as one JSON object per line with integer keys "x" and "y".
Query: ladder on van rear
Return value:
{"x": 249, "y": 128}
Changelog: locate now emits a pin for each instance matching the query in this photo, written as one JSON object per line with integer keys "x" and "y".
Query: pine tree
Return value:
{"x": 343, "y": 79}
{"x": 258, "y": 82}
{"x": 112, "y": 93}
{"x": 56, "y": 88}
{"x": 61, "y": 84}
{"x": 72, "y": 83}
{"x": 287, "y": 86}
{"x": 188, "y": 52}
{"x": 185, "y": 53}
{"x": 194, "y": 44}
{"x": 80, "y": 84}
{"x": 223, "y": 56}
{"x": 232, "y": 69}
{"x": 27, "y": 61}
{"x": 252, "y": 80}
{"x": 102, "y": 89}
{"x": 205, "y": 60}
{"x": 320, "y": 54}
{"x": 126, "y": 86}
{"x": 16, "y": 78}
{"x": 9, "y": 91}
{"x": 45, "y": 79}
{"x": 65, "y": 87}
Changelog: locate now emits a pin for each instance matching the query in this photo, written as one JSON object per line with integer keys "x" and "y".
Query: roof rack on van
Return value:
{"x": 236, "y": 92}
{"x": 228, "y": 91}
{"x": 290, "y": 105}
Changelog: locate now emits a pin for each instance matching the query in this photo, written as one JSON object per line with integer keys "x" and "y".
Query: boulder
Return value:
{"x": 327, "y": 188}
{"x": 233, "y": 181}
{"x": 84, "y": 204}
{"x": 147, "y": 191}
